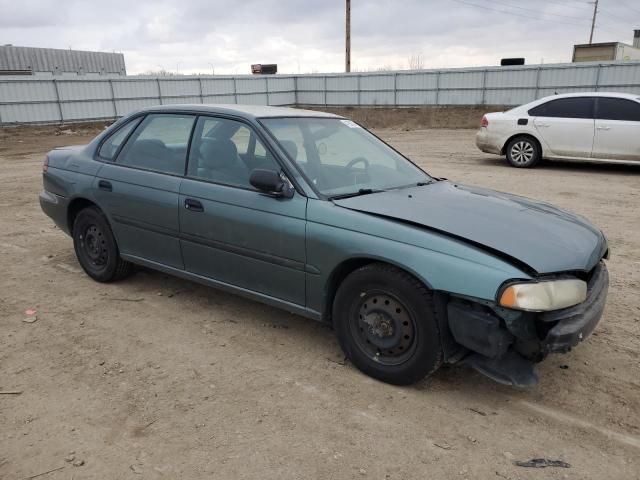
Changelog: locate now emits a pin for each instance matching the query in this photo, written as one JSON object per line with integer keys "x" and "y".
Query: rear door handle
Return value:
{"x": 543, "y": 125}
{"x": 104, "y": 185}
{"x": 603, "y": 128}
{"x": 193, "y": 205}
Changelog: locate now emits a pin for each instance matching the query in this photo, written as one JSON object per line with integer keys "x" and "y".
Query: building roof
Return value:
{"x": 59, "y": 60}
{"x": 602, "y": 44}
{"x": 246, "y": 111}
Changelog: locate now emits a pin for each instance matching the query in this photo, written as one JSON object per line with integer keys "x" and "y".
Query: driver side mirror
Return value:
{"x": 271, "y": 182}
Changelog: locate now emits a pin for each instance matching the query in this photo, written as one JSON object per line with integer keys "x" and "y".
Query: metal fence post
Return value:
{"x": 235, "y": 90}
{"x": 55, "y": 86}
{"x": 598, "y": 76}
{"x": 200, "y": 85}
{"x": 438, "y": 87}
{"x": 395, "y": 89}
{"x": 295, "y": 91}
{"x": 325, "y": 90}
{"x": 159, "y": 90}
{"x": 539, "y": 69}
{"x": 113, "y": 99}
{"x": 358, "y": 88}
{"x": 484, "y": 86}
{"x": 266, "y": 86}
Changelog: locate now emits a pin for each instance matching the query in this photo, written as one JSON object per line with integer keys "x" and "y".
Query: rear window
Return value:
{"x": 159, "y": 143}
{"x": 572, "y": 107}
{"x": 618, "y": 109}
{"x": 110, "y": 147}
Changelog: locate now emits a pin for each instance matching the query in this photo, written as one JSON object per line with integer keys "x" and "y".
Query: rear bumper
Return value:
{"x": 487, "y": 142}
{"x": 55, "y": 207}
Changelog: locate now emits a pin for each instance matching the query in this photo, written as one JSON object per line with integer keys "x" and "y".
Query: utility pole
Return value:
{"x": 347, "y": 57}
{"x": 593, "y": 21}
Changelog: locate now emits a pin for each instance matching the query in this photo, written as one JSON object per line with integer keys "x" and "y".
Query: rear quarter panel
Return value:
{"x": 504, "y": 126}
{"x": 69, "y": 175}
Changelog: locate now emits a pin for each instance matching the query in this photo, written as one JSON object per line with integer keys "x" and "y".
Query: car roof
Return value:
{"x": 630, "y": 96}
{"x": 527, "y": 106}
{"x": 246, "y": 111}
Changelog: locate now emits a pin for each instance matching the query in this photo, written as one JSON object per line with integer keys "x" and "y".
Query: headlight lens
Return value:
{"x": 544, "y": 296}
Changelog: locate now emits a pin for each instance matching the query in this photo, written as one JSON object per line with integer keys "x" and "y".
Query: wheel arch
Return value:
{"x": 349, "y": 265}
{"x": 76, "y": 206}
{"x": 503, "y": 150}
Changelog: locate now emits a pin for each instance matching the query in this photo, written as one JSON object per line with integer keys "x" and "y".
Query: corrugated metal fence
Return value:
{"x": 32, "y": 101}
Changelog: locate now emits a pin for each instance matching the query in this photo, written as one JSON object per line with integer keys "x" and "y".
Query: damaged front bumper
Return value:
{"x": 505, "y": 344}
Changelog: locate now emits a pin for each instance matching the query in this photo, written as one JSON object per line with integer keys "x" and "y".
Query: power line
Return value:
{"x": 629, "y": 7}
{"x": 565, "y": 3}
{"x": 485, "y": 7}
{"x": 539, "y": 12}
{"x": 615, "y": 17}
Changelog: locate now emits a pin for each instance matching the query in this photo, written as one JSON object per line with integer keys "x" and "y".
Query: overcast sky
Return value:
{"x": 194, "y": 36}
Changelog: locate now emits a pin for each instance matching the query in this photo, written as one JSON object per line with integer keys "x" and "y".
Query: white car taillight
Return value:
{"x": 484, "y": 122}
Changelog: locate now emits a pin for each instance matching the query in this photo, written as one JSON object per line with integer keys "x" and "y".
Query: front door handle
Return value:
{"x": 193, "y": 205}
{"x": 104, "y": 185}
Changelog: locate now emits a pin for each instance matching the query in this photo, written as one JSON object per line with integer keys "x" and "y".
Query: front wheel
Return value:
{"x": 96, "y": 247}
{"x": 523, "y": 152}
{"x": 386, "y": 324}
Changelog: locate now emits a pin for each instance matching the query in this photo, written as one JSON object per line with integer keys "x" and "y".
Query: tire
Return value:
{"x": 96, "y": 247}
{"x": 523, "y": 152}
{"x": 398, "y": 342}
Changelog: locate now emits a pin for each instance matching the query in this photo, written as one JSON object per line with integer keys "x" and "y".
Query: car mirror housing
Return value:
{"x": 271, "y": 182}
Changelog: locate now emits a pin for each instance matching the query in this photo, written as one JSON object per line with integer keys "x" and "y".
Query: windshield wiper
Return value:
{"x": 429, "y": 182}
{"x": 362, "y": 191}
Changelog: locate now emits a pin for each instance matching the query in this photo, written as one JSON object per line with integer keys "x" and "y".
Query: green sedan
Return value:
{"x": 310, "y": 212}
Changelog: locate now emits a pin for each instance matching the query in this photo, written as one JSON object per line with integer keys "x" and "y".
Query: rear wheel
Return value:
{"x": 96, "y": 247}
{"x": 386, "y": 324}
{"x": 523, "y": 152}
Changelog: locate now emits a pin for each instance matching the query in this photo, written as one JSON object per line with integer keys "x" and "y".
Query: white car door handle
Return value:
{"x": 603, "y": 128}
{"x": 544, "y": 125}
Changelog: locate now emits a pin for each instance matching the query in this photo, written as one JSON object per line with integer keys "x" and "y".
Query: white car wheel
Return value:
{"x": 523, "y": 152}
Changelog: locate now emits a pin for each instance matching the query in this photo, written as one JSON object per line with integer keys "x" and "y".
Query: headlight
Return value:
{"x": 544, "y": 296}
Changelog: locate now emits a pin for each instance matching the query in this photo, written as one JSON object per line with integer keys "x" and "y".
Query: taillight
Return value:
{"x": 45, "y": 164}
{"x": 484, "y": 122}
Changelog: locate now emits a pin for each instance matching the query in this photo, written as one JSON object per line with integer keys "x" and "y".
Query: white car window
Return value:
{"x": 571, "y": 107}
{"x": 618, "y": 109}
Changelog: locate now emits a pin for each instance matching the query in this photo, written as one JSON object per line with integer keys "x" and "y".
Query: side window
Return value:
{"x": 572, "y": 107}
{"x": 110, "y": 147}
{"x": 249, "y": 147}
{"x": 291, "y": 139}
{"x": 618, "y": 109}
{"x": 159, "y": 143}
{"x": 225, "y": 151}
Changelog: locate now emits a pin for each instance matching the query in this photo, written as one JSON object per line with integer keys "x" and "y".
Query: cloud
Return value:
{"x": 308, "y": 35}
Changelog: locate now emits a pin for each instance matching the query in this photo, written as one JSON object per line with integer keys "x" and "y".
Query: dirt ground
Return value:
{"x": 156, "y": 377}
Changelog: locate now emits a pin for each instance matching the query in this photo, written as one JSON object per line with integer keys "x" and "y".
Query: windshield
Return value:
{"x": 340, "y": 158}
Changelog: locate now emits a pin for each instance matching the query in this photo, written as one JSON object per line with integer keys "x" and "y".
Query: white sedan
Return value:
{"x": 591, "y": 126}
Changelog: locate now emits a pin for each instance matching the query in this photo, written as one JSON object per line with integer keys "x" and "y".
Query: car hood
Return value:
{"x": 539, "y": 235}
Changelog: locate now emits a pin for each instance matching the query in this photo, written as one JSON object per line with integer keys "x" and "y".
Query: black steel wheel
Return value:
{"x": 93, "y": 246}
{"x": 96, "y": 247}
{"x": 386, "y": 324}
{"x": 383, "y": 328}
